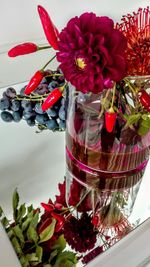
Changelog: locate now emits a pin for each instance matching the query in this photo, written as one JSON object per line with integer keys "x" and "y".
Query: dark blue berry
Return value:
{"x": 51, "y": 112}
{"x": 28, "y": 114}
{"x": 41, "y": 89}
{"x": 52, "y": 85}
{"x": 42, "y": 119}
{"x": 15, "y": 105}
{"x": 6, "y": 116}
{"x": 27, "y": 105}
{"x": 11, "y": 92}
{"x": 62, "y": 113}
{"x": 62, "y": 125}
{"x": 31, "y": 122}
{"x": 38, "y": 108}
{"x": 4, "y": 103}
{"x": 52, "y": 125}
{"x": 17, "y": 116}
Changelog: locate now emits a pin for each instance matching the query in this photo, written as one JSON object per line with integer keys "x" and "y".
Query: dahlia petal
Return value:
{"x": 118, "y": 72}
{"x": 118, "y": 42}
{"x": 87, "y": 21}
{"x": 105, "y": 25}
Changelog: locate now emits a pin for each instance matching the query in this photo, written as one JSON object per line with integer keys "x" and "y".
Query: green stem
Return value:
{"x": 48, "y": 62}
{"x": 113, "y": 97}
{"x": 43, "y": 47}
{"x": 103, "y": 104}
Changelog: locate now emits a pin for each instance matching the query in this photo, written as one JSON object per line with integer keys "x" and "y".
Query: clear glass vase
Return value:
{"x": 103, "y": 170}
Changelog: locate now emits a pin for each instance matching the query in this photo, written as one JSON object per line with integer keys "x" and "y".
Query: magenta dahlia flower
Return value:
{"x": 91, "y": 53}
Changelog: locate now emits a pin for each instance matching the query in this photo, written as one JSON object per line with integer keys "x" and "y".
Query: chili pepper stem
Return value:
{"x": 113, "y": 99}
{"x": 43, "y": 47}
{"x": 48, "y": 63}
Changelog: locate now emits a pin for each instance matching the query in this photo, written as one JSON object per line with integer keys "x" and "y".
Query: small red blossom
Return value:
{"x": 91, "y": 53}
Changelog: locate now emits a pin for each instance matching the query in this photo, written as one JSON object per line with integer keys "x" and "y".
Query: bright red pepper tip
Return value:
{"x": 22, "y": 49}
{"x": 110, "y": 120}
{"x": 95, "y": 220}
{"x": 34, "y": 82}
{"x": 49, "y": 28}
{"x": 51, "y": 99}
{"x": 47, "y": 207}
{"x": 144, "y": 98}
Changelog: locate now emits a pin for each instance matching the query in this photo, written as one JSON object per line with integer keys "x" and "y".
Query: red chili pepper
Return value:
{"x": 145, "y": 100}
{"x": 95, "y": 220}
{"x": 44, "y": 225}
{"x": 58, "y": 206}
{"x": 110, "y": 120}
{"x": 22, "y": 49}
{"x": 59, "y": 226}
{"x": 60, "y": 220}
{"x": 50, "y": 30}
{"x": 51, "y": 99}
{"x": 47, "y": 207}
{"x": 34, "y": 82}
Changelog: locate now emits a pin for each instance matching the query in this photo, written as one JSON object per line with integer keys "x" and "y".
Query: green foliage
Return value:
{"x": 66, "y": 259}
{"x": 29, "y": 244}
{"x": 15, "y": 202}
{"x": 1, "y": 212}
{"x": 48, "y": 232}
{"x": 144, "y": 126}
{"x": 132, "y": 119}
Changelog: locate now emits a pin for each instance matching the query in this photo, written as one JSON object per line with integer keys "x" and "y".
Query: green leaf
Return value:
{"x": 16, "y": 245}
{"x": 10, "y": 233}
{"x": 47, "y": 265}
{"x": 30, "y": 214}
{"x": 21, "y": 212}
{"x": 60, "y": 243}
{"x": 35, "y": 220}
{"x": 48, "y": 232}
{"x": 53, "y": 255}
{"x": 30, "y": 208}
{"x": 132, "y": 119}
{"x": 1, "y": 212}
{"x": 15, "y": 202}
{"x": 32, "y": 257}
{"x": 39, "y": 253}
{"x": 4, "y": 222}
{"x": 25, "y": 224}
{"x": 144, "y": 127}
{"x": 24, "y": 261}
{"x": 66, "y": 259}
{"x": 32, "y": 234}
{"x": 145, "y": 116}
{"x": 19, "y": 234}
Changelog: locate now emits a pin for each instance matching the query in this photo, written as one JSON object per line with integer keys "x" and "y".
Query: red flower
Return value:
{"x": 91, "y": 52}
{"x": 136, "y": 28}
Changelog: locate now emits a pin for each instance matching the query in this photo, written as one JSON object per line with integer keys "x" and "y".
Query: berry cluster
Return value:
{"x": 17, "y": 106}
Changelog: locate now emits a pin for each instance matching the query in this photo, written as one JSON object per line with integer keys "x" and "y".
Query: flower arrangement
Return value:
{"x": 107, "y": 134}
{"x": 40, "y": 236}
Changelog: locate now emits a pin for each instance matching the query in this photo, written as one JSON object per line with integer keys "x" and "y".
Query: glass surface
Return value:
{"x": 35, "y": 164}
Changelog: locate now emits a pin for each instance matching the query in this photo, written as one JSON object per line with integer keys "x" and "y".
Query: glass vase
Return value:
{"x": 104, "y": 169}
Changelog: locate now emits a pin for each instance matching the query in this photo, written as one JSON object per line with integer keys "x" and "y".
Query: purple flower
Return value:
{"x": 91, "y": 53}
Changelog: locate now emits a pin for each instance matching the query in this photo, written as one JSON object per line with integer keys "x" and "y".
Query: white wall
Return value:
{"x": 19, "y": 22}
